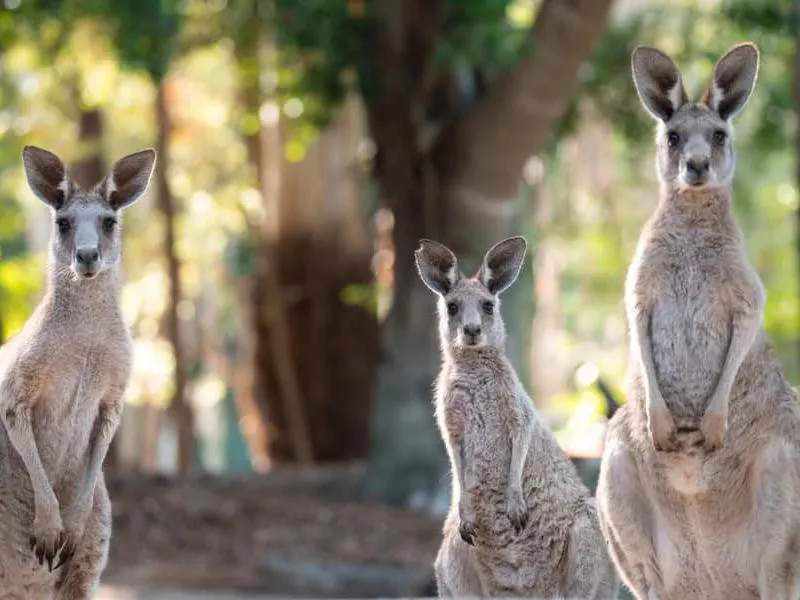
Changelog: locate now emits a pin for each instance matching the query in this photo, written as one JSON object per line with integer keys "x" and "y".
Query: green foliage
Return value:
{"x": 482, "y": 34}
{"x": 323, "y": 44}
{"x": 145, "y": 32}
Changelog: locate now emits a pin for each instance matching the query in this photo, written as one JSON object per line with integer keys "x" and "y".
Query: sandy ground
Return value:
{"x": 300, "y": 533}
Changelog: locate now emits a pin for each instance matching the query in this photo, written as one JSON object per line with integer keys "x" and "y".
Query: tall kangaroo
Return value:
{"x": 699, "y": 490}
{"x": 61, "y": 384}
{"x": 522, "y": 523}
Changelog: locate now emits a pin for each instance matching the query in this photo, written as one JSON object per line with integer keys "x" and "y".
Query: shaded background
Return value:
{"x": 278, "y": 432}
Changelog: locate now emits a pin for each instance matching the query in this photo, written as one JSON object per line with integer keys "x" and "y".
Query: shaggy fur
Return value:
{"x": 699, "y": 490}
{"x": 61, "y": 384}
{"x": 522, "y": 523}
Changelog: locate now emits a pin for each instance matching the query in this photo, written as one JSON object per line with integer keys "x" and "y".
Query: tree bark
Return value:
{"x": 463, "y": 192}
{"x": 314, "y": 354}
{"x": 179, "y": 406}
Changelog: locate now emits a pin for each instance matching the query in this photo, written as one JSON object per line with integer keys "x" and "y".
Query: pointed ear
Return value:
{"x": 732, "y": 81}
{"x": 437, "y": 266}
{"x": 129, "y": 178}
{"x": 47, "y": 176}
{"x": 658, "y": 82}
{"x": 502, "y": 264}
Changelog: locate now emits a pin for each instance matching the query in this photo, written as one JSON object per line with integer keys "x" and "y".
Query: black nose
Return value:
{"x": 87, "y": 256}
{"x": 472, "y": 331}
{"x": 697, "y": 166}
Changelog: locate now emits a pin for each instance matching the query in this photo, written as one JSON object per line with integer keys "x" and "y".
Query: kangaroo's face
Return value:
{"x": 695, "y": 149}
{"x": 86, "y": 236}
{"x": 695, "y": 139}
{"x": 469, "y": 308}
{"x": 469, "y": 316}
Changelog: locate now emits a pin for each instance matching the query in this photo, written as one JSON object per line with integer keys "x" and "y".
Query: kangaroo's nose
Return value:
{"x": 472, "y": 331}
{"x": 87, "y": 256}
{"x": 698, "y": 165}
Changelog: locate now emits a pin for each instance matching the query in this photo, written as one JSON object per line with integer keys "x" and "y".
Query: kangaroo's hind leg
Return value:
{"x": 456, "y": 571}
{"x": 590, "y": 572}
{"x": 626, "y": 520}
{"x": 774, "y": 527}
{"x": 80, "y": 577}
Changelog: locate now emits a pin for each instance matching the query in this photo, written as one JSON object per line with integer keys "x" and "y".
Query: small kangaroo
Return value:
{"x": 61, "y": 384}
{"x": 522, "y": 523}
{"x": 699, "y": 490}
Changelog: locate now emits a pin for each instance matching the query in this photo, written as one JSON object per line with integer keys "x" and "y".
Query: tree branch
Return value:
{"x": 485, "y": 151}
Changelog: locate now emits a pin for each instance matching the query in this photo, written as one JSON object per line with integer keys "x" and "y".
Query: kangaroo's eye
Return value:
{"x": 673, "y": 139}
{"x": 452, "y": 309}
{"x": 488, "y": 307}
{"x": 108, "y": 224}
{"x": 719, "y": 137}
{"x": 63, "y": 225}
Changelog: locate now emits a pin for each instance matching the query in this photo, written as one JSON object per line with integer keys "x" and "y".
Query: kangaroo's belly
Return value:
{"x": 705, "y": 564}
{"x": 64, "y": 418}
{"x": 689, "y": 342}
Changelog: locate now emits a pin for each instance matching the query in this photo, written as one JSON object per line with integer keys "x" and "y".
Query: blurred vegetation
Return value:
{"x": 586, "y": 202}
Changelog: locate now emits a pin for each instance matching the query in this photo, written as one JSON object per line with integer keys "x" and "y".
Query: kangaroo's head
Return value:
{"x": 86, "y": 224}
{"x": 469, "y": 307}
{"x": 694, "y": 139}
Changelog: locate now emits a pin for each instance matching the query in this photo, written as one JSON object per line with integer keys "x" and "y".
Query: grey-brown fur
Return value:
{"x": 521, "y": 523}
{"x": 699, "y": 491}
{"x": 61, "y": 384}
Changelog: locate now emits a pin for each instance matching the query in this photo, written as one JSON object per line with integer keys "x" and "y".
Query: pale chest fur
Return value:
{"x": 69, "y": 371}
{"x": 695, "y": 280}
{"x": 478, "y": 404}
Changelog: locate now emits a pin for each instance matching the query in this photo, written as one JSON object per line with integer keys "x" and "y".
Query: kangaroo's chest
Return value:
{"x": 694, "y": 291}
{"x": 73, "y": 386}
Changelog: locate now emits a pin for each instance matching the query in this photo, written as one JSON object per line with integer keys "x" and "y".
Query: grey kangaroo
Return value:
{"x": 699, "y": 490}
{"x": 61, "y": 384}
{"x": 522, "y": 523}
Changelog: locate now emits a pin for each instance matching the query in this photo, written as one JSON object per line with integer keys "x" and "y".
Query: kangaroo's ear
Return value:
{"x": 47, "y": 176}
{"x": 129, "y": 178}
{"x": 502, "y": 264}
{"x": 733, "y": 80}
{"x": 437, "y": 266}
{"x": 658, "y": 82}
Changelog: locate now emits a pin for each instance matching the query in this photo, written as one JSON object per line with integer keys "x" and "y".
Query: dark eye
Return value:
{"x": 719, "y": 137}
{"x": 673, "y": 139}
{"x": 488, "y": 307}
{"x": 452, "y": 309}
{"x": 63, "y": 225}
{"x": 108, "y": 224}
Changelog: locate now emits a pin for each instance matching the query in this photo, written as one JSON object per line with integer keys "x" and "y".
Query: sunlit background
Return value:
{"x": 304, "y": 145}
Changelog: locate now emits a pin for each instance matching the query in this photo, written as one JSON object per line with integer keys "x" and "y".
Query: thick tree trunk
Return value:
{"x": 179, "y": 406}
{"x": 463, "y": 192}
{"x": 323, "y": 247}
{"x": 314, "y": 354}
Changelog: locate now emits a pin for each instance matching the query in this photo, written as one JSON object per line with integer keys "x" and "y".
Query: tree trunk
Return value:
{"x": 462, "y": 192}
{"x": 90, "y": 168}
{"x": 179, "y": 406}
{"x": 314, "y": 354}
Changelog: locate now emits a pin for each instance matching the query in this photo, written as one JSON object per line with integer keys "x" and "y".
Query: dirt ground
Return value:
{"x": 289, "y": 532}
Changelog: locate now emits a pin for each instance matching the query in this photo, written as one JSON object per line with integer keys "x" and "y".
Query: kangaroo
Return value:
{"x": 61, "y": 384}
{"x": 522, "y": 523}
{"x": 699, "y": 490}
